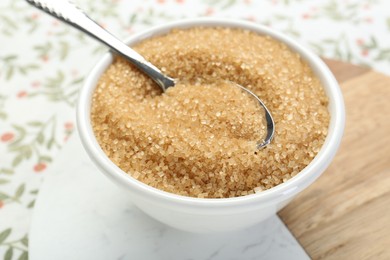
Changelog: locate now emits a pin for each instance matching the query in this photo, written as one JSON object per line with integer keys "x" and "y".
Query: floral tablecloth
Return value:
{"x": 43, "y": 63}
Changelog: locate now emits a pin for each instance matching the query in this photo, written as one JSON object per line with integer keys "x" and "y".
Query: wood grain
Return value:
{"x": 345, "y": 214}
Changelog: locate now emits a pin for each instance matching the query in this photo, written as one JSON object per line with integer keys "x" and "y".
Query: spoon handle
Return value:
{"x": 69, "y": 13}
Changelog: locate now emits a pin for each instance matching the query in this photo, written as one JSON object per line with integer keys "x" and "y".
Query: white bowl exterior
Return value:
{"x": 210, "y": 215}
{"x": 209, "y": 222}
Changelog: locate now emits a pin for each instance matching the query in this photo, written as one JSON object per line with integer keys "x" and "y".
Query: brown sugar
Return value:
{"x": 199, "y": 138}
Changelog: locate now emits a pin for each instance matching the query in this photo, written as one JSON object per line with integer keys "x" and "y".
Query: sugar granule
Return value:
{"x": 199, "y": 138}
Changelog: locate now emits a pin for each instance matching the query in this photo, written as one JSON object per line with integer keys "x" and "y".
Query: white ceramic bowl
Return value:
{"x": 211, "y": 215}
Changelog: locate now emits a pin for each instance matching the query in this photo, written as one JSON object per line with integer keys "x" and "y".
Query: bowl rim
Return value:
{"x": 297, "y": 183}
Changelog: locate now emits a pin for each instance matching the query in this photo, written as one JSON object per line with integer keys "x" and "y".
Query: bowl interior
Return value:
{"x": 292, "y": 186}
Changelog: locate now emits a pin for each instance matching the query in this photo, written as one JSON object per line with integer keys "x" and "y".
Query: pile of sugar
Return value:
{"x": 199, "y": 138}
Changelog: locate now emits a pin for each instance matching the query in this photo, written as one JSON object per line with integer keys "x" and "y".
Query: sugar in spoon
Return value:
{"x": 69, "y": 13}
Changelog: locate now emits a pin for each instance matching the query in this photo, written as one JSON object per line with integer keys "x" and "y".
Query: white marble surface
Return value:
{"x": 80, "y": 214}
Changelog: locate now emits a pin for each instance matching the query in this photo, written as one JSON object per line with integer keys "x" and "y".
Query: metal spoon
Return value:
{"x": 69, "y": 13}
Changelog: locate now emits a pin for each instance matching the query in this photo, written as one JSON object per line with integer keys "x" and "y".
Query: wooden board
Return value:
{"x": 345, "y": 214}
